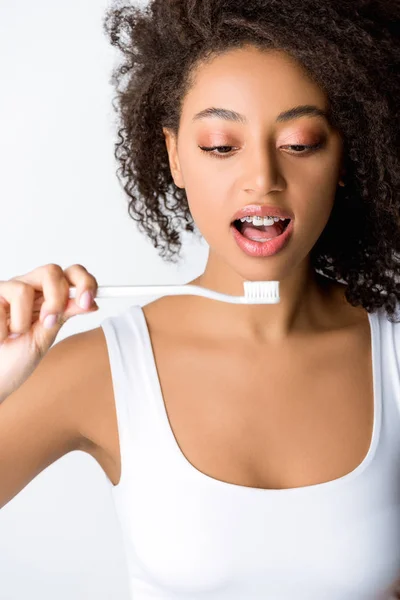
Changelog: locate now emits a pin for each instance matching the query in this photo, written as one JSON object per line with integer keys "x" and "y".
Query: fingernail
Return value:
{"x": 50, "y": 321}
{"x": 86, "y": 300}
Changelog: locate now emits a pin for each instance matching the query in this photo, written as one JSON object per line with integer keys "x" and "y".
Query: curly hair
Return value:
{"x": 349, "y": 48}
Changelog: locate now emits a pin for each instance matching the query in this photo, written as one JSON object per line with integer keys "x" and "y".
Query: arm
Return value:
{"x": 42, "y": 420}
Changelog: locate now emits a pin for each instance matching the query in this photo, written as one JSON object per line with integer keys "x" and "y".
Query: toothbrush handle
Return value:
{"x": 128, "y": 291}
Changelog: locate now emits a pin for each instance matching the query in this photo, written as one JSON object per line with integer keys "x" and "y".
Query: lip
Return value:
{"x": 263, "y": 249}
{"x": 257, "y": 210}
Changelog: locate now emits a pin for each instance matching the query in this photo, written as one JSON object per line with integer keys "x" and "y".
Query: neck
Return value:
{"x": 304, "y": 296}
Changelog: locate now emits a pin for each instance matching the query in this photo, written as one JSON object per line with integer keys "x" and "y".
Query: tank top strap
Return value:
{"x": 390, "y": 334}
{"x": 131, "y": 371}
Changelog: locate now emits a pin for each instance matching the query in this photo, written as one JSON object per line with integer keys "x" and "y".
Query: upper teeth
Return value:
{"x": 262, "y": 220}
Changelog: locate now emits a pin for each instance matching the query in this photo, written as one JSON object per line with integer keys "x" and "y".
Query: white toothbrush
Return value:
{"x": 255, "y": 292}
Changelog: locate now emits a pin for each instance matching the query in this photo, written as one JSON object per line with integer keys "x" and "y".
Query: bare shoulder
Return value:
{"x": 96, "y": 386}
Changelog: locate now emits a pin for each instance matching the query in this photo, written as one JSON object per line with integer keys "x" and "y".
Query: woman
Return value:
{"x": 253, "y": 451}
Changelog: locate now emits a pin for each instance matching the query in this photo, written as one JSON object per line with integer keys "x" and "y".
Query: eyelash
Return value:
{"x": 310, "y": 149}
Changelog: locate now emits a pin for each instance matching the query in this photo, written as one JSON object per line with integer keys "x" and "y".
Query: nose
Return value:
{"x": 261, "y": 172}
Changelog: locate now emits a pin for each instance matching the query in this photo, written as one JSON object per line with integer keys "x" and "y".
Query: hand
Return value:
{"x": 25, "y": 301}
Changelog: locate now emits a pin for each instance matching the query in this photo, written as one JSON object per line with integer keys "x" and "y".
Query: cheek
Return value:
{"x": 208, "y": 191}
{"x": 317, "y": 210}
{"x": 313, "y": 207}
{"x": 313, "y": 196}
{"x": 314, "y": 217}
{"x": 326, "y": 178}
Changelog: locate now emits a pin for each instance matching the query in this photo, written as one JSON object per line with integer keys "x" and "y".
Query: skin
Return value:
{"x": 260, "y": 168}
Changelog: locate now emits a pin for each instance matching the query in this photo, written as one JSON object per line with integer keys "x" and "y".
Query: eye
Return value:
{"x": 308, "y": 148}
{"x": 225, "y": 150}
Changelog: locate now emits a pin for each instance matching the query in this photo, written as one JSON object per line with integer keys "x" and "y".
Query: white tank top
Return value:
{"x": 189, "y": 536}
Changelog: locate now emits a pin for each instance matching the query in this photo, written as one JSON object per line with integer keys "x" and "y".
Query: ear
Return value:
{"x": 343, "y": 170}
{"x": 171, "y": 142}
{"x": 342, "y": 175}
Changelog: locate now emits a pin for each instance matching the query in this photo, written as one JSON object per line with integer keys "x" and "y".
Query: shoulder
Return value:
{"x": 97, "y": 389}
{"x": 94, "y": 404}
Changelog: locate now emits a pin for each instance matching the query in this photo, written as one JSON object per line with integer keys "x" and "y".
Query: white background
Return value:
{"x": 61, "y": 203}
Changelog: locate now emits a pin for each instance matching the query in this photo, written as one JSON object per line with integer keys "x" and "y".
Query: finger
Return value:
{"x": 3, "y": 322}
{"x": 79, "y": 277}
{"x": 16, "y": 305}
{"x": 52, "y": 284}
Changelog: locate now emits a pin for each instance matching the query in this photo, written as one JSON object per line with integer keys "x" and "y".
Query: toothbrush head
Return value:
{"x": 261, "y": 292}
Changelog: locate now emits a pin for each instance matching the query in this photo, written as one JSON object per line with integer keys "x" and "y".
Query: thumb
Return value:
{"x": 44, "y": 336}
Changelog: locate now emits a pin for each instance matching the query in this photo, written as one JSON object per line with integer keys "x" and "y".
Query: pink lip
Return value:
{"x": 261, "y": 211}
{"x": 262, "y": 249}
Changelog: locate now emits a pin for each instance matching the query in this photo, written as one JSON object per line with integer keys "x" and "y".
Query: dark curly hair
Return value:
{"x": 349, "y": 48}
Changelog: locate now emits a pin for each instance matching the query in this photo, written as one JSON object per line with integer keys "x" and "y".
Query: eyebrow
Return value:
{"x": 303, "y": 110}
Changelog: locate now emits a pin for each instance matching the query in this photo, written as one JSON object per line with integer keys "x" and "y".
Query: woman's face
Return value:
{"x": 257, "y": 164}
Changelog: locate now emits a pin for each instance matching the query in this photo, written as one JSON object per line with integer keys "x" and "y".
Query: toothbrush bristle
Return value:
{"x": 261, "y": 290}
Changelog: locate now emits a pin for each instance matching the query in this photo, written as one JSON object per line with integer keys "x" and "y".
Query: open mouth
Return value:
{"x": 249, "y": 231}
